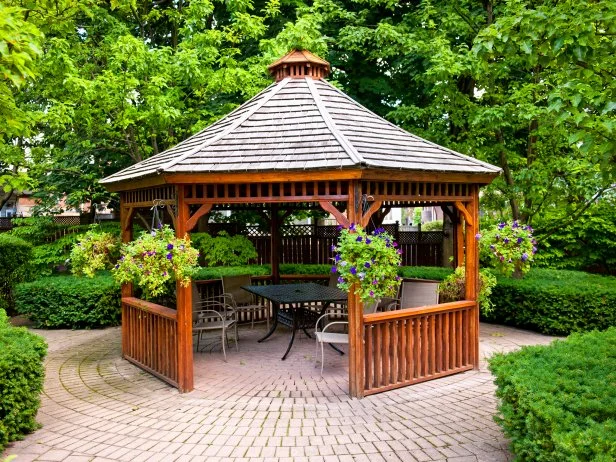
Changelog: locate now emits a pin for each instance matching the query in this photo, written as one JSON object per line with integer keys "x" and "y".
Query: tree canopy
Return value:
{"x": 529, "y": 86}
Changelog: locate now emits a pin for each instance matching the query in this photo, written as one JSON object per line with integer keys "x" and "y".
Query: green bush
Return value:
{"x": 224, "y": 250}
{"x": 21, "y": 381}
{"x": 425, "y": 272}
{"x": 436, "y": 225}
{"x": 555, "y": 301}
{"x": 35, "y": 230}
{"x": 15, "y": 253}
{"x": 558, "y": 403}
{"x": 69, "y": 301}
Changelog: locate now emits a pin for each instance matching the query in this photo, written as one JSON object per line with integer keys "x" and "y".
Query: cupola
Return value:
{"x": 298, "y": 65}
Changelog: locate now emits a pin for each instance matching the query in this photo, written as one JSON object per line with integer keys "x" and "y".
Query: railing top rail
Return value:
{"x": 416, "y": 312}
{"x": 150, "y": 307}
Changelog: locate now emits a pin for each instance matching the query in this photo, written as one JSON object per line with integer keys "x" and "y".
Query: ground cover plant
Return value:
{"x": 558, "y": 403}
{"x": 70, "y": 301}
{"x": 21, "y": 380}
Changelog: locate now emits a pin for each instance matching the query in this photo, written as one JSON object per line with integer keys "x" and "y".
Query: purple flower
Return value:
{"x": 502, "y": 258}
{"x": 337, "y": 257}
{"x": 515, "y": 224}
{"x": 398, "y": 278}
{"x": 169, "y": 256}
{"x": 534, "y": 242}
{"x": 333, "y": 248}
{"x": 395, "y": 244}
{"x": 169, "y": 246}
{"x": 399, "y": 251}
{"x": 367, "y": 264}
{"x": 372, "y": 293}
{"x": 374, "y": 282}
{"x": 478, "y": 236}
{"x": 334, "y": 269}
{"x": 520, "y": 240}
{"x": 492, "y": 247}
{"x": 368, "y": 241}
{"x": 165, "y": 273}
{"x": 352, "y": 227}
{"x": 362, "y": 275}
{"x": 117, "y": 266}
{"x": 122, "y": 258}
{"x": 340, "y": 279}
{"x": 524, "y": 256}
{"x": 534, "y": 250}
{"x": 501, "y": 225}
{"x": 359, "y": 239}
{"x": 353, "y": 270}
{"x": 506, "y": 240}
{"x": 339, "y": 228}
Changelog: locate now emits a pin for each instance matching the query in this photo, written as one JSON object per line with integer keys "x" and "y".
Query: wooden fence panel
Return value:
{"x": 149, "y": 338}
{"x": 414, "y": 345}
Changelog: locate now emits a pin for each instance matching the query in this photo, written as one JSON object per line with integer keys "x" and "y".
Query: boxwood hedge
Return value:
{"x": 70, "y": 301}
{"x": 21, "y": 380}
{"x": 556, "y": 301}
{"x": 558, "y": 403}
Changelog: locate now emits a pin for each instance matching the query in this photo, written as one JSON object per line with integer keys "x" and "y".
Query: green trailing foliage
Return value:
{"x": 21, "y": 380}
{"x": 558, "y": 403}
{"x": 555, "y": 301}
{"x": 94, "y": 251}
{"x": 224, "y": 250}
{"x": 70, "y": 301}
{"x": 369, "y": 262}
{"x": 15, "y": 254}
{"x": 453, "y": 288}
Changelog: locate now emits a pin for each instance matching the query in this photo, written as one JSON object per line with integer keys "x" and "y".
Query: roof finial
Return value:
{"x": 299, "y": 64}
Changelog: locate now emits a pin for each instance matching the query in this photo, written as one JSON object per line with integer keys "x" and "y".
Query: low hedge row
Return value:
{"x": 21, "y": 380}
{"x": 556, "y": 301}
{"x": 70, "y": 301}
{"x": 558, "y": 403}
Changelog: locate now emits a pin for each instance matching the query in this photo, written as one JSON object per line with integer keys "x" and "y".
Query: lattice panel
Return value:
{"x": 267, "y": 192}
{"x": 401, "y": 191}
{"x": 296, "y": 230}
{"x": 143, "y": 197}
{"x": 415, "y": 237}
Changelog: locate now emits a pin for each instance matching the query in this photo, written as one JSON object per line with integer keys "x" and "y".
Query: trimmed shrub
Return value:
{"x": 425, "y": 272}
{"x": 555, "y": 301}
{"x": 21, "y": 381}
{"x": 15, "y": 253}
{"x": 69, "y": 301}
{"x": 558, "y": 403}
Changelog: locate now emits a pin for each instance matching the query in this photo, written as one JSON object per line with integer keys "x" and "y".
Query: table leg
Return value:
{"x": 294, "y": 329}
{"x": 274, "y": 323}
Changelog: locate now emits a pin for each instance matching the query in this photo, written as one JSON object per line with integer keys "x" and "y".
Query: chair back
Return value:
{"x": 333, "y": 280}
{"x": 370, "y": 308}
{"x": 418, "y": 293}
{"x": 196, "y": 298}
{"x": 233, "y": 285}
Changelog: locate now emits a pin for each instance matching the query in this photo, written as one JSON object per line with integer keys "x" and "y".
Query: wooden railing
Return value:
{"x": 149, "y": 338}
{"x": 413, "y": 345}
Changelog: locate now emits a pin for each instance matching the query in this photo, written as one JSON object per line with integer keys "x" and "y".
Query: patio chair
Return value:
{"x": 244, "y": 302}
{"x": 326, "y": 335}
{"x": 212, "y": 314}
{"x": 415, "y": 294}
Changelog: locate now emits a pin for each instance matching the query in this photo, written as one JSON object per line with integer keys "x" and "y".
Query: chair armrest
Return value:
{"x": 316, "y": 326}
{"x": 212, "y": 314}
{"x": 333, "y": 324}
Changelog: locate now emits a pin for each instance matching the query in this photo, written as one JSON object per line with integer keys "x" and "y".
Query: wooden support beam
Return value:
{"x": 355, "y": 309}
{"x": 184, "y": 308}
{"x": 461, "y": 206}
{"x": 338, "y": 215}
{"x": 374, "y": 207}
{"x": 275, "y": 244}
{"x": 192, "y": 221}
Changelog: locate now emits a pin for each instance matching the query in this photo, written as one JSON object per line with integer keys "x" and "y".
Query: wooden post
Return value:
{"x": 474, "y": 209}
{"x": 355, "y": 309}
{"x": 126, "y": 222}
{"x": 459, "y": 239}
{"x": 184, "y": 307}
{"x": 275, "y": 244}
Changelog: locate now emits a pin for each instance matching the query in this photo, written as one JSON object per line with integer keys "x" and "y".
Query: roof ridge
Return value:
{"x": 455, "y": 153}
{"x": 229, "y": 129}
{"x": 342, "y": 139}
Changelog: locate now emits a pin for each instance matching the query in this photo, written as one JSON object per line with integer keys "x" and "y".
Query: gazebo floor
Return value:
{"x": 98, "y": 407}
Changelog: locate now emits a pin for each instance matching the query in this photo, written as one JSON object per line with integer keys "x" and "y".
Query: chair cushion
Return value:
{"x": 331, "y": 337}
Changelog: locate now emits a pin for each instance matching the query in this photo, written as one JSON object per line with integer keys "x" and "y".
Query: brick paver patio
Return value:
{"x": 98, "y": 407}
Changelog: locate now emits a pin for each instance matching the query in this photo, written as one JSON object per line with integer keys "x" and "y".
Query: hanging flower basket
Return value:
{"x": 94, "y": 251}
{"x": 154, "y": 259}
{"x": 369, "y": 260}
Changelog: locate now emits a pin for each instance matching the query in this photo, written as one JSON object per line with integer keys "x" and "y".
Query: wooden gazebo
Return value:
{"x": 302, "y": 142}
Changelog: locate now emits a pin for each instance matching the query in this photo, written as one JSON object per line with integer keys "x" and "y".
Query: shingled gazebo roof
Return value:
{"x": 299, "y": 123}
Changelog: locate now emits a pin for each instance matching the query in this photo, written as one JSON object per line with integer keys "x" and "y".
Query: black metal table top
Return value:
{"x": 298, "y": 293}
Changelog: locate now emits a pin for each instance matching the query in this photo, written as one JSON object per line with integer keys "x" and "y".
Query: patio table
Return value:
{"x": 296, "y": 295}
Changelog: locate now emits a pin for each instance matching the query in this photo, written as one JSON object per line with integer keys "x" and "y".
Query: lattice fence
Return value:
{"x": 308, "y": 244}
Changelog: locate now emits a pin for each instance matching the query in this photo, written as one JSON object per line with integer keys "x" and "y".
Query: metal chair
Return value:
{"x": 244, "y": 302}
{"x": 415, "y": 293}
{"x": 215, "y": 313}
{"x": 325, "y": 335}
